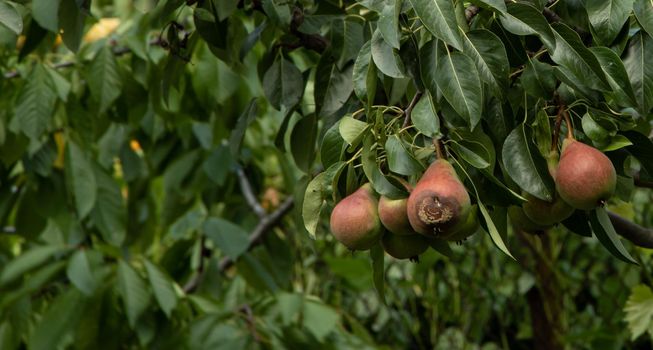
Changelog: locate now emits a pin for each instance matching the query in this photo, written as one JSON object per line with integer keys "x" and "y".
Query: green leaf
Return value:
{"x": 617, "y": 142}
{"x": 639, "y": 311}
{"x": 319, "y": 319}
{"x": 238, "y": 133}
{"x": 389, "y": 24}
{"x": 45, "y": 13}
{"x": 79, "y": 174}
{"x": 26, "y": 262}
{"x": 494, "y": 5}
{"x": 458, "y": 79}
{"x": 35, "y": 104}
{"x": 364, "y": 74}
{"x": 439, "y": 17}
{"x": 283, "y": 84}
{"x": 373, "y": 173}
{"x": 333, "y": 86}
{"x": 378, "y": 271}
{"x": 218, "y": 164}
{"x": 314, "y": 201}
{"x": 79, "y": 273}
{"x": 604, "y": 231}
{"x": 110, "y": 211}
{"x": 400, "y": 160}
{"x": 332, "y": 146}
{"x": 231, "y": 239}
{"x": 639, "y": 64}
{"x": 616, "y": 74}
{"x": 59, "y": 321}
{"x": 472, "y": 152}
{"x": 386, "y": 58}
{"x": 425, "y": 116}
{"x": 133, "y": 291}
{"x": 10, "y": 18}
{"x": 523, "y": 19}
{"x": 71, "y": 22}
{"x": 492, "y": 229}
{"x": 352, "y": 130}
{"x": 538, "y": 79}
{"x": 644, "y": 13}
{"x": 302, "y": 142}
{"x": 607, "y": 17}
{"x": 642, "y": 149}
{"x": 104, "y": 80}
{"x": 163, "y": 288}
{"x": 350, "y": 33}
{"x": 592, "y": 129}
{"x": 526, "y": 166}
{"x": 489, "y": 54}
{"x": 571, "y": 53}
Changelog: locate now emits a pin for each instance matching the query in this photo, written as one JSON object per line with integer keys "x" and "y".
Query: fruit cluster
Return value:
{"x": 438, "y": 207}
{"x": 585, "y": 179}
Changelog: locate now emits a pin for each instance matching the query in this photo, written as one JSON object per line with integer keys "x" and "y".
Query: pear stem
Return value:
{"x": 438, "y": 148}
{"x": 570, "y": 128}
{"x": 556, "y": 130}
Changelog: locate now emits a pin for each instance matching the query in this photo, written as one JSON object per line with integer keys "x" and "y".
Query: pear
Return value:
{"x": 392, "y": 213}
{"x": 439, "y": 200}
{"x": 404, "y": 246}
{"x": 546, "y": 213}
{"x": 521, "y": 222}
{"x": 355, "y": 219}
{"x": 585, "y": 177}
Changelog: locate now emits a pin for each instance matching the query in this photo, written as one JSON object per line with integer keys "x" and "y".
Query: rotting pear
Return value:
{"x": 439, "y": 200}
{"x": 585, "y": 177}
{"x": 355, "y": 219}
{"x": 404, "y": 246}
{"x": 392, "y": 213}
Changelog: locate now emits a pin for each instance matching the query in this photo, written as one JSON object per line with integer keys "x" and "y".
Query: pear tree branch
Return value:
{"x": 638, "y": 235}
{"x": 409, "y": 109}
{"x": 266, "y": 223}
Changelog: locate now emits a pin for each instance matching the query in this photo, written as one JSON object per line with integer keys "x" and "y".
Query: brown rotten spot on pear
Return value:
{"x": 439, "y": 201}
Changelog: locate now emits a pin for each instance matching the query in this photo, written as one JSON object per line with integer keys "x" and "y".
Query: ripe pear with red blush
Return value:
{"x": 404, "y": 246}
{"x": 585, "y": 177}
{"x": 392, "y": 213}
{"x": 439, "y": 200}
{"x": 355, "y": 219}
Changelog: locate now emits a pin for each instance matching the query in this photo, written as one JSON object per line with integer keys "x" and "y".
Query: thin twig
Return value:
{"x": 118, "y": 51}
{"x": 409, "y": 110}
{"x": 248, "y": 193}
{"x": 261, "y": 229}
{"x": 570, "y": 128}
{"x": 556, "y": 129}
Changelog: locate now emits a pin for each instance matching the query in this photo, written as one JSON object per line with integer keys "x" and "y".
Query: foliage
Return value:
{"x": 165, "y": 164}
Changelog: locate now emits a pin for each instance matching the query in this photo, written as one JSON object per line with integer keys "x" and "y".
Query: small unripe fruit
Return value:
{"x": 355, "y": 219}
{"x": 546, "y": 213}
{"x": 439, "y": 200}
{"x": 521, "y": 222}
{"x": 392, "y": 213}
{"x": 404, "y": 246}
{"x": 585, "y": 177}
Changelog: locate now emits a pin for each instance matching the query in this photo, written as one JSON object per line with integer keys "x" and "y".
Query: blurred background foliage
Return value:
{"x": 138, "y": 137}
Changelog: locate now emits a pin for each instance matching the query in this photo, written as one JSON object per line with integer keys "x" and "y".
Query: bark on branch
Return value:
{"x": 638, "y": 235}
